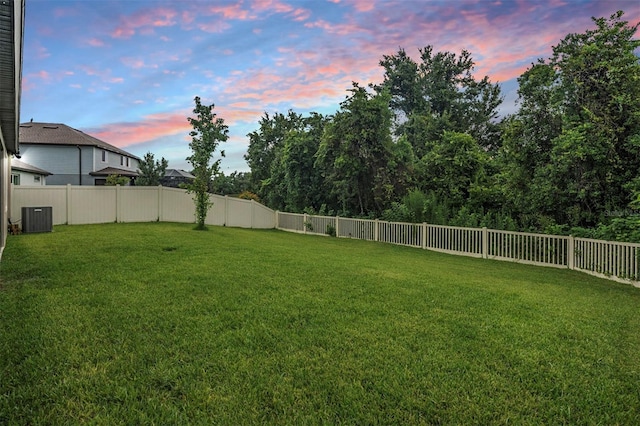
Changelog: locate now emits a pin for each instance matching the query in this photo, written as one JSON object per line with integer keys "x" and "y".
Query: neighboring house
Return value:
{"x": 11, "y": 39}
{"x": 73, "y": 157}
{"x": 175, "y": 177}
{"x": 27, "y": 175}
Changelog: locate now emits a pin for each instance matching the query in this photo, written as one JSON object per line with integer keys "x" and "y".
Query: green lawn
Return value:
{"x": 159, "y": 324}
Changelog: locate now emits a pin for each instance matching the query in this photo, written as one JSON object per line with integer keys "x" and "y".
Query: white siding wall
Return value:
{"x": 30, "y": 179}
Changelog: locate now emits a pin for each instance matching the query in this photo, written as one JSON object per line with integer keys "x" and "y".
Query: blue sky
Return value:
{"x": 127, "y": 71}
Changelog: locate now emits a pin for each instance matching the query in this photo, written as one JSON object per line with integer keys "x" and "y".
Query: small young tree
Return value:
{"x": 208, "y": 131}
{"x": 151, "y": 171}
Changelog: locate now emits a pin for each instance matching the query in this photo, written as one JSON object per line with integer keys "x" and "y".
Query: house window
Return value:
{"x": 127, "y": 161}
{"x": 36, "y": 178}
{"x": 15, "y": 179}
{"x": 122, "y": 160}
{"x": 104, "y": 156}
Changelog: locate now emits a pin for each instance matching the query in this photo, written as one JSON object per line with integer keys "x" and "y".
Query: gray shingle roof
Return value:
{"x": 114, "y": 171}
{"x": 178, "y": 173}
{"x": 61, "y": 134}
{"x": 24, "y": 167}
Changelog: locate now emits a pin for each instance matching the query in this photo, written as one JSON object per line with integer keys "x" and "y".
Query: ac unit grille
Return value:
{"x": 37, "y": 219}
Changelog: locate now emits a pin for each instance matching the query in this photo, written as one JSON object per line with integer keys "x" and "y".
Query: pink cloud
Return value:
{"x": 234, "y": 11}
{"x": 187, "y": 17}
{"x": 301, "y": 14}
{"x": 27, "y": 85}
{"x": 44, "y": 75}
{"x": 362, "y": 5}
{"x": 144, "y": 21}
{"x": 276, "y": 6}
{"x": 151, "y": 127}
{"x": 133, "y": 62}
{"x": 103, "y": 74}
{"x": 338, "y": 29}
{"x": 214, "y": 27}
{"x": 94, "y": 42}
{"x": 167, "y": 124}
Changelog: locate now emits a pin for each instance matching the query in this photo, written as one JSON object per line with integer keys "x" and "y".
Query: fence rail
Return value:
{"x": 612, "y": 260}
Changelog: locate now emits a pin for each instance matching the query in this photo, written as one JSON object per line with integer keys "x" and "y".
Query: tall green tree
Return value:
{"x": 208, "y": 131}
{"x": 440, "y": 92}
{"x": 574, "y": 143}
{"x": 303, "y": 181}
{"x": 265, "y": 145}
{"x": 452, "y": 166}
{"x": 151, "y": 171}
{"x": 233, "y": 184}
{"x": 356, "y": 152}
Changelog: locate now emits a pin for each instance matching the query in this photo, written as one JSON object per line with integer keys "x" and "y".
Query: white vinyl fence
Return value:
{"x": 73, "y": 205}
{"x": 612, "y": 260}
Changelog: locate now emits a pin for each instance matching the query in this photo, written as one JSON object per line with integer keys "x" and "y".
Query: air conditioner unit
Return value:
{"x": 37, "y": 219}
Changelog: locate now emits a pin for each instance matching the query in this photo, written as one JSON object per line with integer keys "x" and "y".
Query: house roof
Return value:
{"x": 11, "y": 39}
{"x": 107, "y": 171}
{"x": 178, "y": 173}
{"x": 24, "y": 167}
{"x": 61, "y": 134}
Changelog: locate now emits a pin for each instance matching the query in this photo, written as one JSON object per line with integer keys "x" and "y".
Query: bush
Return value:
{"x": 248, "y": 195}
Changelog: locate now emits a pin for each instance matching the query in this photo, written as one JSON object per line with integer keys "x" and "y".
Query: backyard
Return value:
{"x": 154, "y": 323}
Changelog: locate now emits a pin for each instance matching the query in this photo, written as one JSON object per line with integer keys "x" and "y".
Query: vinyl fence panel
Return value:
{"x": 536, "y": 249}
{"x": 455, "y": 240}
{"x": 406, "y": 234}
{"x": 92, "y": 205}
{"x": 138, "y": 204}
{"x": 36, "y": 196}
{"x": 612, "y": 260}
{"x": 361, "y": 229}
{"x": 608, "y": 259}
{"x": 176, "y": 205}
{"x": 72, "y": 204}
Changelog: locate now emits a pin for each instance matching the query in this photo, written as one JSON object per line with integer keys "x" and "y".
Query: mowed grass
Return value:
{"x": 159, "y": 324}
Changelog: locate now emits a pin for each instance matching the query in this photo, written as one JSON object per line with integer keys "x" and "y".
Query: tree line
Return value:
{"x": 428, "y": 144}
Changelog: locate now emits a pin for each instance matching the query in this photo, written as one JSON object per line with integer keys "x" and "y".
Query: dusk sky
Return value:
{"x": 126, "y": 72}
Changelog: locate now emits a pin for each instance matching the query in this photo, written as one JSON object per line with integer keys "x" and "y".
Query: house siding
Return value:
{"x": 61, "y": 161}
{"x": 112, "y": 160}
{"x": 64, "y": 161}
{"x": 29, "y": 179}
